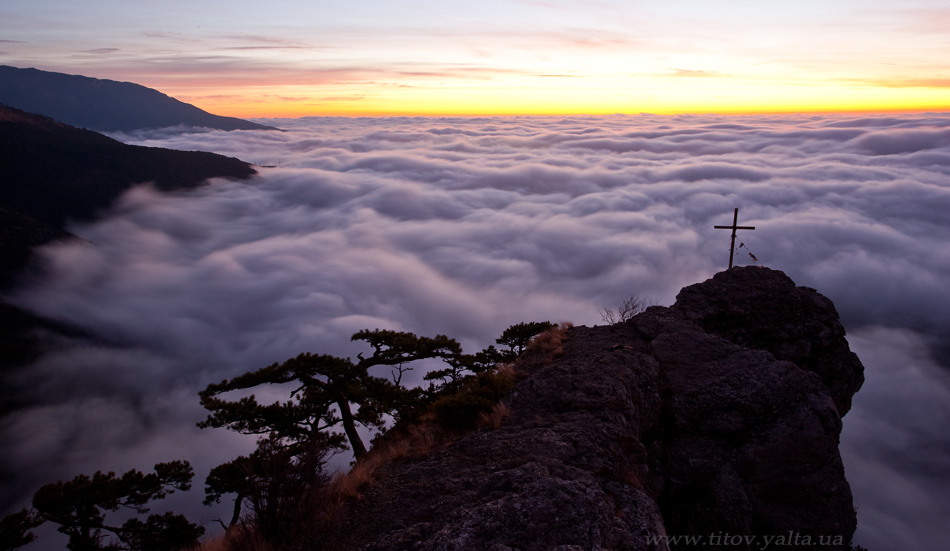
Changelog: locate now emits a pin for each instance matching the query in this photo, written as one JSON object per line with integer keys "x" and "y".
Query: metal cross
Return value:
{"x": 734, "y": 227}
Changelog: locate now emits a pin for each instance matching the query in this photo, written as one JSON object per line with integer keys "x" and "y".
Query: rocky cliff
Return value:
{"x": 716, "y": 419}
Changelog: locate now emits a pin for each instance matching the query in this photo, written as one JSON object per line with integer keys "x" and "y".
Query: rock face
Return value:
{"x": 689, "y": 421}
{"x": 763, "y": 309}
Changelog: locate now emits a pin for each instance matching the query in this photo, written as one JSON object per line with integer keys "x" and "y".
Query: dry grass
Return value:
{"x": 216, "y": 543}
{"x": 544, "y": 348}
{"x": 347, "y": 486}
{"x": 327, "y": 503}
{"x": 549, "y": 342}
{"x": 506, "y": 371}
{"x": 494, "y": 418}
{"x": 239, "y": 538}
{"x": 500, "y": 411}
{"x": 632, "y": 476}
{"x": 419, "y": 440}
{"x": 422, "y": 438}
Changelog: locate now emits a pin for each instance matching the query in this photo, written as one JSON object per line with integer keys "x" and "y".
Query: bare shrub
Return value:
{"x": 626, "y": 309}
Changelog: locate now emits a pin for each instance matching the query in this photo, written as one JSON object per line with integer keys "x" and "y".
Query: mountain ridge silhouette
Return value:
{"x": 105, "y": 105}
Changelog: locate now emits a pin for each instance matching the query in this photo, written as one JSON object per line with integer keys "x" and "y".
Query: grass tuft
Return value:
{"x": 494, "y": 417}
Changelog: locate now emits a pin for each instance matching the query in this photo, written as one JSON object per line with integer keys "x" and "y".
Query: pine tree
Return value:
{"x": 79, "y": 507}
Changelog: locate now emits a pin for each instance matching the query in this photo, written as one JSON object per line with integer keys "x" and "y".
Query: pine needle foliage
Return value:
{"x": 79, "y": 507}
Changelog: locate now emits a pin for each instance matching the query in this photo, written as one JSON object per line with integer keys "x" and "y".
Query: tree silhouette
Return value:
{"x": 330, "y": 392}
{"x": 327, "y": 389}
{"x": 454, "y": 375}
{"x": 517, "y": 337}
{"x": 287, "y": 469}
{"x": 233, "y": 477}
{"x": 79, "y": 506}
{"x": 279, "y": 483}
{"x": 15, "y": 529}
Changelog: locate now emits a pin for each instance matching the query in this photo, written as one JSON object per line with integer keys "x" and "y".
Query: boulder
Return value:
{"x": 759, "y": 308}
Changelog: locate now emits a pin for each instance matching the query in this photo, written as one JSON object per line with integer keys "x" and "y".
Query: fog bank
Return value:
{"x": 463, "y": 226}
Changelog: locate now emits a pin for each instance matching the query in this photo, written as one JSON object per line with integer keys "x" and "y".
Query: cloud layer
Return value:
{"x": 465, "y": 226}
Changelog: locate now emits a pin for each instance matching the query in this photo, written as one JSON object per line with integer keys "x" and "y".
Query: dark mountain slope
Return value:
{"x": 104, "y": 105}
{"x": 51, "y": 172}
{"x": 19, "y": 234}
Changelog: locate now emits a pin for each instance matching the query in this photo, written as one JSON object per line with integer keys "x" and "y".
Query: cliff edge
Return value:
{"x": 711, "y": 424}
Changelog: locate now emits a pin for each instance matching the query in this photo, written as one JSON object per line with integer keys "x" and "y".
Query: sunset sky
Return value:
{"x": 370, "y": 57}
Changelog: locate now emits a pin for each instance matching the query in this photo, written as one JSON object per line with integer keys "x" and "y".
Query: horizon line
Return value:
{"x": 937, "y": 110}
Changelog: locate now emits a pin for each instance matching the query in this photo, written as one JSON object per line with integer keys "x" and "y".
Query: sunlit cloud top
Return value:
{"x": 293, "y": 58}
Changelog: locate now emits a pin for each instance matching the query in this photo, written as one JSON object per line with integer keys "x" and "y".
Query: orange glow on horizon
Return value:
{"x": 254, "y": 108}
{"x": 531, "y": 95}
{"x": 506, "y": 58}
{"x": 277, "y": 112}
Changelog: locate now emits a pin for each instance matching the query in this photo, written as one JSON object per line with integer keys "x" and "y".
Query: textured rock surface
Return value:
{"x": 648, "y": 428}
{"x": 763, "y": 309}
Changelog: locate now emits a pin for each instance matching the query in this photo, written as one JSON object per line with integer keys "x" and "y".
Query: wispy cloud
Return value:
{"x": 267, "y": 48}
{"x": 936, "y": 82}
{"x": 102, "y": 51}
{"x": 694, "y": 73}
{"x": 172, "y": 35}
{"x": 330, "y": 98}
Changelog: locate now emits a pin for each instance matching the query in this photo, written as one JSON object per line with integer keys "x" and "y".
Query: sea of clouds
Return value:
{"x": 463, "y": 226}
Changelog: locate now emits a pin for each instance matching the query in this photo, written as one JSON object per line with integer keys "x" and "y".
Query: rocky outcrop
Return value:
{"x": 763, "y": 309}
{"x": 641, "y": 434}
